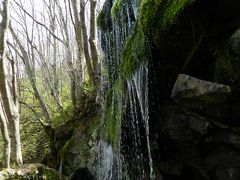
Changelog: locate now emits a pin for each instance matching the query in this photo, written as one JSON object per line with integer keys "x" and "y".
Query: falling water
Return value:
{"x": 106, "y": 161}
{"x": 134, "y": 153}
{"x": 138, "y": 87}
{"x": 110, "y": 165}
{"x": 141, "y": 84}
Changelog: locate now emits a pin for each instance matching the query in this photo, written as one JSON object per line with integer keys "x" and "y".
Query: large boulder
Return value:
{"x": 203, "y": 97}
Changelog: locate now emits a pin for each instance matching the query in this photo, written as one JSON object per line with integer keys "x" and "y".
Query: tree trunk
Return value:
{"x": 85, "y": 41}
{"x": 78, "y": 72}
{"x": 6, "y": 137}
{"x": 94, "y": 52}
{"x": 92, "y": 39}
{"x": 9, "y": 103}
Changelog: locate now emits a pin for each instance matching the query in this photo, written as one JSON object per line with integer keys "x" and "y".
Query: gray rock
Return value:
{"x": 203, "y": 97}
{"x": 188, "y": 87}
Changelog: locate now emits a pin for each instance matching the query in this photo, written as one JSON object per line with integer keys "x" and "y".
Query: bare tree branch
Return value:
{"x": 41, "y": 24}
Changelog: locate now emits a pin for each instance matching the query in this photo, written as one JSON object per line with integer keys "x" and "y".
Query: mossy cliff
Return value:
{"x": 194, "y": 37}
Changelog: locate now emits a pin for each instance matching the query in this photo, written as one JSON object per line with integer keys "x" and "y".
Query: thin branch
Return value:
{"x": 69, "y": 6}
{"x": 37, "y": 115}
{"x": 41, "y": 24}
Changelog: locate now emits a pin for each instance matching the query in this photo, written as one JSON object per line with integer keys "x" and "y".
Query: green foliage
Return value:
{"x": 34, "y": 140}
{"x": 88, "y": 87}
{"x": 62, "y": 116}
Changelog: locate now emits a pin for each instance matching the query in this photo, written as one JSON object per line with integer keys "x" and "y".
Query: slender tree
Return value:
{"x": 8, "y": 97}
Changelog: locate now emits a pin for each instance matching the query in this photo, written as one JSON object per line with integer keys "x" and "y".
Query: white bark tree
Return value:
{"x": 9, "y": 114}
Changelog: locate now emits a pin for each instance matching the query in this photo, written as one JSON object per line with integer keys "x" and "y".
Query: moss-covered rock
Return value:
{"x": 133, "y": 54}
{"x": 31, "y": 171}
{"x": 112, "y": 115}
{"x": 155, "y": 17}
{"x": 173, "y": 37}
{"x": 81, "y": 150}
{"x": 104, "y": 17}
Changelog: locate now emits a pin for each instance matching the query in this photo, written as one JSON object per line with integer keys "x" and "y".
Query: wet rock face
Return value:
{"x": 195, "y": 145}
{"x": 193, "y": 126}
{"x": 194, "y": 118}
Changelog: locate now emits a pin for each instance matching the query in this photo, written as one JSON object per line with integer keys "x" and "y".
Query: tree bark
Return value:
{"x": 6, "y": 137}
{"x": 78, "y": 72}
{"x": 94, "y": 52}
{"x": 9, "y": 102}
{"x": 92, "y": 39}
{"x": 85, "y": 40}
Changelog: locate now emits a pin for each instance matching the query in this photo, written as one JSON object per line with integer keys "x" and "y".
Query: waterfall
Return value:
{"x": 141, "y": 85}
{"x": 105, "y": 161}
{"x": 110, "y": 165}
{"x": 132, "y": 157}
{"x": 138, "y": 96}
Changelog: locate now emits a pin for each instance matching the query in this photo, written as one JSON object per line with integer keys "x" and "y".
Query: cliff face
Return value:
{"x": 156, "y": 129}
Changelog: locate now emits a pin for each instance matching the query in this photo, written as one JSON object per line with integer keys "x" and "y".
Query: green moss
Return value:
{"x": 101, "y": 20}
{"x": 118, "y": 5}
{"x": 48, "y": 174}
{"x": 112, "y": 115}
{"x": 147, "y": 13}
{"x": 156, "y": 16}
{"x": 67, "y": 169}
{"x": 66, "y": 147}
{"x": 160, "y": 12}
{"x": 104, "y": 18}
{"x": 133, "y": 53}
{"x": 173, "y": 10}
{"x": 79, "y": 143}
